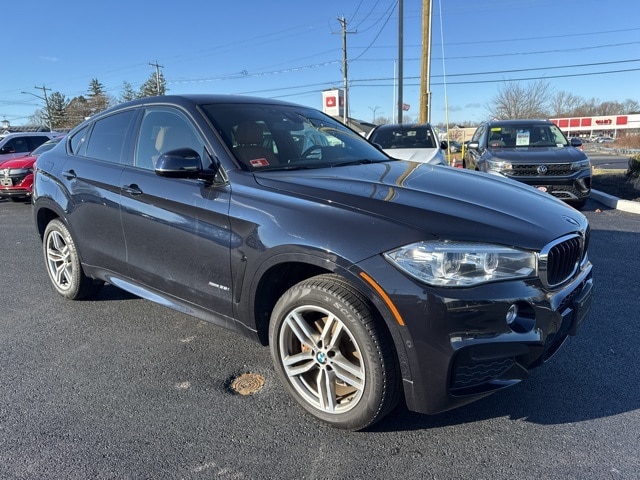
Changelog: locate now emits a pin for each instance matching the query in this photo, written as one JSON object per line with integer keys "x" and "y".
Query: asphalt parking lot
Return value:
{"x": 119, "y": 387}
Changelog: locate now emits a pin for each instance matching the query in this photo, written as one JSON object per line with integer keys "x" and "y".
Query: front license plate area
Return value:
{"x": 581, "y": 307}
{"x": 6, "y": 182}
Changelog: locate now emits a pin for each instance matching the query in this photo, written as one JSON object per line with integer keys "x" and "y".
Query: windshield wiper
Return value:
{"x": 362, "y": 161}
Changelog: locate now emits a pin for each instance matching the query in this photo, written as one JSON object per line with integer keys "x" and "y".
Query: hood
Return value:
{"x": 22, "y": 162}
{"x": 422, "y": 155}
{"x": 436, "y": 202}
{"x": 539, "y": 154}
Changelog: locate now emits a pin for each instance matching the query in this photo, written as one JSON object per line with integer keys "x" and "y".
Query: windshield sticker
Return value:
{"x": 259, "y": 162}
{"x": 522, "y": 138}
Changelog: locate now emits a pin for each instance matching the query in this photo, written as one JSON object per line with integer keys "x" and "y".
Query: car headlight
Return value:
{"x": 581, "y": 165}
{"x": 498, "y": 166}
{"x": 19, "y": 171}
{"x": 461, "y": 264}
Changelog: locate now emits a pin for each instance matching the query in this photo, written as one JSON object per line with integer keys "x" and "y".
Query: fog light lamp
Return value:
{"x": 512, "y": 314}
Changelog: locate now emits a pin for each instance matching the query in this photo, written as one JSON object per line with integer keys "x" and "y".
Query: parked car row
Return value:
{"x": 19, "y": 144}
{"x": 373, "y": 280}
{"x": 16, "y": 175}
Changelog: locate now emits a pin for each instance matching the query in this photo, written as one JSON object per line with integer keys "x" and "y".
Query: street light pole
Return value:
{"x": 46, "y": 103}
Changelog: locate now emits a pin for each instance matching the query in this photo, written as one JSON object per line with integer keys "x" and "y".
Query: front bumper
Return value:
{"x": 14, "y": 192}
{"x": 574, "y": 187}
{"x": 456, "y": 345}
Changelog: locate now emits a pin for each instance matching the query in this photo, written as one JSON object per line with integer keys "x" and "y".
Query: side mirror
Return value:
{"x": 576, "y": 142}
{"x": 179, "y": 163}
{"x": 473, "y": 145}
{"x": 444, "y": 145}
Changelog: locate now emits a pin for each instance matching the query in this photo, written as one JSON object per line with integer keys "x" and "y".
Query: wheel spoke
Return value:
{"x": 301, "y": 329}
{"x": 349, "y": 372}
{"x": 326, "y": 387}
{"x": 299, "y": 363}
{"x": 331, "y": 332}
{"x": 58, "y": 242}
{"x": 55, "y": 255}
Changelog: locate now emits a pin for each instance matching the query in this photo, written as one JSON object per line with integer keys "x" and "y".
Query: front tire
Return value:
{"x": 63, "y": 264}
{"x": 331, "y": 353}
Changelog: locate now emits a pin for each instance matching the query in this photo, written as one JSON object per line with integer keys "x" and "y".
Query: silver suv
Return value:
{"x": 19, "y": 144}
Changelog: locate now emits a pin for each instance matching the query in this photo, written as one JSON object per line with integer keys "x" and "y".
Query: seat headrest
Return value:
{"x": 249, "y": 133}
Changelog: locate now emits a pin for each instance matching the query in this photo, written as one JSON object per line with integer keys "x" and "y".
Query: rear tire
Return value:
{"x": 332, "y": 355}
{"x": 63, "y": 264}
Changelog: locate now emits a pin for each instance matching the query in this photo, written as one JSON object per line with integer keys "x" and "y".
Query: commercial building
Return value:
{"x": 605, "y": 125}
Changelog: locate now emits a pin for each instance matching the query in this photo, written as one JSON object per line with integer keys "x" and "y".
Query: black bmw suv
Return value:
{"x": 534, "y": 152}
{"x": 373, "y": 280}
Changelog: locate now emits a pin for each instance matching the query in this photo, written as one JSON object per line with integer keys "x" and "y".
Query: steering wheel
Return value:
{"x": 307, "y": 153}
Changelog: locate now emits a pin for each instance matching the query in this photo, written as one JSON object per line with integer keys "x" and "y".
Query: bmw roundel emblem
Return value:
{"x": 542, "y": 169}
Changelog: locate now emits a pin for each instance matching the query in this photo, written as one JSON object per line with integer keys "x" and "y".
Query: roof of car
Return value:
{"x": 201, "y": 98}
{"x": 189, "y": 100}
{"x": 26, "y": 134}
{"x": 532, "y": 121}
{"x": 401, "y": 126}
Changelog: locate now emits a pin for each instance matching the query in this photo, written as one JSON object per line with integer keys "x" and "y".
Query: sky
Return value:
{"x": 293, "y": 50}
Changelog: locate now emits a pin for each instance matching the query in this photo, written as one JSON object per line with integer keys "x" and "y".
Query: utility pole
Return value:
{"x": 345, "y": 87}
{"x": 425, "y": 75}
{"x": 400, "y": 57}
{"x": 374, "y": 110}
{"x": 46, "y": 103}
{"x": 158, "y": 67}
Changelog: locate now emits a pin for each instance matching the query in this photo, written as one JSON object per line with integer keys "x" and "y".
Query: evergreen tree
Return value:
{"x": 128, "y": 93}
{"x": 155, "y": 85}
{"x": 58, "y": 105}
{"x": 97, "y": 99}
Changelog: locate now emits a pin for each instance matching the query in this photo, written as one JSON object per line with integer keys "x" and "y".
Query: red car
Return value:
{"x": 16, "y": 174}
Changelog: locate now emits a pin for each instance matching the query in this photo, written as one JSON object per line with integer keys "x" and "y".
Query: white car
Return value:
{"x": 413, "y": 142}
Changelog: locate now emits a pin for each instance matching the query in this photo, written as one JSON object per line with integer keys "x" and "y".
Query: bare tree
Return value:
{"x": 517, "y": 100}
{"x": 565, "y": 104}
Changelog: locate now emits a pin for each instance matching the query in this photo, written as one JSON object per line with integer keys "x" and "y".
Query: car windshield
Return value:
{"x": 281, "y": 137}
{"x": 526, "y": 135}
{"x": 404, "y": 137}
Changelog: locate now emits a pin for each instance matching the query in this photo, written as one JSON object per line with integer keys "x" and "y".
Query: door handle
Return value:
{"x": 69, "y": 174}
{"x": 132, "y": 189}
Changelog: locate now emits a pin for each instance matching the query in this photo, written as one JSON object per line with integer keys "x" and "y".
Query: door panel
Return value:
{"x": 178, "y": 237}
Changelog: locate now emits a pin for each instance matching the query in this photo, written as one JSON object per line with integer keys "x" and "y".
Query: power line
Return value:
{"x": 503, "y": 80}
{"x": 519, "y": 70}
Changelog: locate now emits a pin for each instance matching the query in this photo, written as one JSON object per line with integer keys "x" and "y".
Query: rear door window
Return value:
{"x": 108, "y": 137}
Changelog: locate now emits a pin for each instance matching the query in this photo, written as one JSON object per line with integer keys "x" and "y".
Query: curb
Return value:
{"x": 616, "y": 203}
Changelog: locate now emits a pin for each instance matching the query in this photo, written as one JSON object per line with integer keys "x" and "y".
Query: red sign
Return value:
{"x": 604, "y": 121}
{"x": 330, "y": 102}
